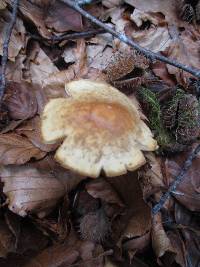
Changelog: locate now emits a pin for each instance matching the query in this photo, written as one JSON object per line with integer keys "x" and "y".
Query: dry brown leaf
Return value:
{"x": 69, "y": 20}
{"x": 30, "y": 190}
{"x": 14, "y": 70}
{"x": 17, "y": 41}
{"x": 169, "y": 8}
{"x": 192, "y": 243}
{"x": 7, "y": 240}
{"x": 20, "y": 100}
{"x": 135, "y": 224}
{"x": 41, "y": 67}
{"x": 15, "y": 149}
{"x": 161, "y": 71}
{"x": 188, "y": 191}
{"x": 179, "y": 247}
{"x": 160, "y": 242}
{"x": 35, "y": 15}
{"x": 184, "y": 49}
{"x": 112, "y": 3}
{"x": 31, "y": 129}
{"x": 2, "y": 4}
{"x": 102, "y": 189}
{"x": 151, "y": 176}
{"x": 71, "y": 252}
{"x": 155, "y": 39}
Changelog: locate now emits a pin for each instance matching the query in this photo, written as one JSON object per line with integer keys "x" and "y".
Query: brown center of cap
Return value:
{"x": 110, "y": 117}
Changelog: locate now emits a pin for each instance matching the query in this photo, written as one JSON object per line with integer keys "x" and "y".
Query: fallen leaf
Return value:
{"x": 83, "y": 253}
{"x": 14, "y": 70}
{"x": 17, "y": 40}
{"x": 151, "y": 176}
{"x": 41, "y": 67}
{"x": 192, "y": 243}
{"x": 188, "y": 191}
{"x": 7, "y": 240}
{"x": 69, "y": 19}
{"x": 15, "y": 149}
{"x": 102, "y": 189}
{"x": 20, "y": 100}
{"x": 155, "y": 39}
{"x": 169, "y": 8}
{"x": 160, "y": 241}
{"x": 30, "y": 190}
{"x": 184, "y": 49}
{"x": 31, "y": 129}
{"x": 135, "y": 222}
{"x": 34, "y": 14}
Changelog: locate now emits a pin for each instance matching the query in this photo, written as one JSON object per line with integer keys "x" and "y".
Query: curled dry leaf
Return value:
{"x": 69, "y": 20}
{"x": 46, "y": 18}
{"x": 188, "y": 191}
{"x": 160, "y": 241}
{"x": 41, "y": 67}
{"x": 15, "y": 149}
{"x": 135, "y": 223}
{"x": 184, "y": 49}
{"x": 72, "y": 252}
{"x": 168, "y": 8}
{"x": 20, "y": 100}
{"x": 102, "y": 189}
{"x": 17, "y": 41}
{"x": 151, "y": 176}
{"x": 30, "y": 190}
{"x": 7, "y": 240}
{"x": 112, "y": 3}
{"x": 103, "y": 129}
{"x": 31, "y": 129}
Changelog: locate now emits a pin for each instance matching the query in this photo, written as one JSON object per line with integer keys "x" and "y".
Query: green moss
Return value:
{"x": 155, "y": 117}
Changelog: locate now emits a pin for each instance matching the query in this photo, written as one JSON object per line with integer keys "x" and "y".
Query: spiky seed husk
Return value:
{"x": 188, "y": 128}
{"x": 95, "y": 226}
{"x": 127, "y": 69}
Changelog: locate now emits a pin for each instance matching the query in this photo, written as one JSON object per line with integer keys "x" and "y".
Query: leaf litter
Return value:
{"x": 50, "y": 215}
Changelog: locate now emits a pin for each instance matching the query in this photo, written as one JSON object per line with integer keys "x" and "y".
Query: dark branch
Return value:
{"x": 177, "y": 181}
{"x": 5, "y": 48}
{"x": 68, "y": 36}
{"x": 122, "y": 37}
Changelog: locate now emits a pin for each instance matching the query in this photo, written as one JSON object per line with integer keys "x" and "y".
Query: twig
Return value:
{"x": 177, "y": 181}
{"x": 122, "y": 37}
{"x": 5, "y": 48}
{"x": 68, "y": 36}
{"x": 84, "y": 2}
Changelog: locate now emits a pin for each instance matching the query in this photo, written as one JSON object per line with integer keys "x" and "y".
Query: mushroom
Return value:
{"x": 101, "y": 128}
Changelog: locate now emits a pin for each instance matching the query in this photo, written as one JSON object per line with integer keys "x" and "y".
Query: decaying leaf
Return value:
{"x": 85, "y": 253}
{"x": 18, "y": 40}
{"x": 20, "y": 100}
{"x": 15, "y": 149}
{"x": 161, "y": 243}
{"x": 169, "y": 8}
{"x": 134, "y": 224}
{"x": 188, "y": 192}
{"x": 7, "y": 239}
{"x": 31, "y": 129}
{"x": 30, "y": 190}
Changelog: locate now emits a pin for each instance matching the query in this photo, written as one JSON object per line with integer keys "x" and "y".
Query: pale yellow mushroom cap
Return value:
{"x": 101, "y": 129}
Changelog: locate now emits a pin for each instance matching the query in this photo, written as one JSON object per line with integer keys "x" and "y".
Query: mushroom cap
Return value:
{"x": 101, "y": 129}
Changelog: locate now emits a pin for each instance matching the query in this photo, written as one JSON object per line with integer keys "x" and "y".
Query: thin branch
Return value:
{"x": 122, "y": 37}
{"x": 68, "y": 36}
{"x": 5, "y": 48}
{"x": 177, "y": 181}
